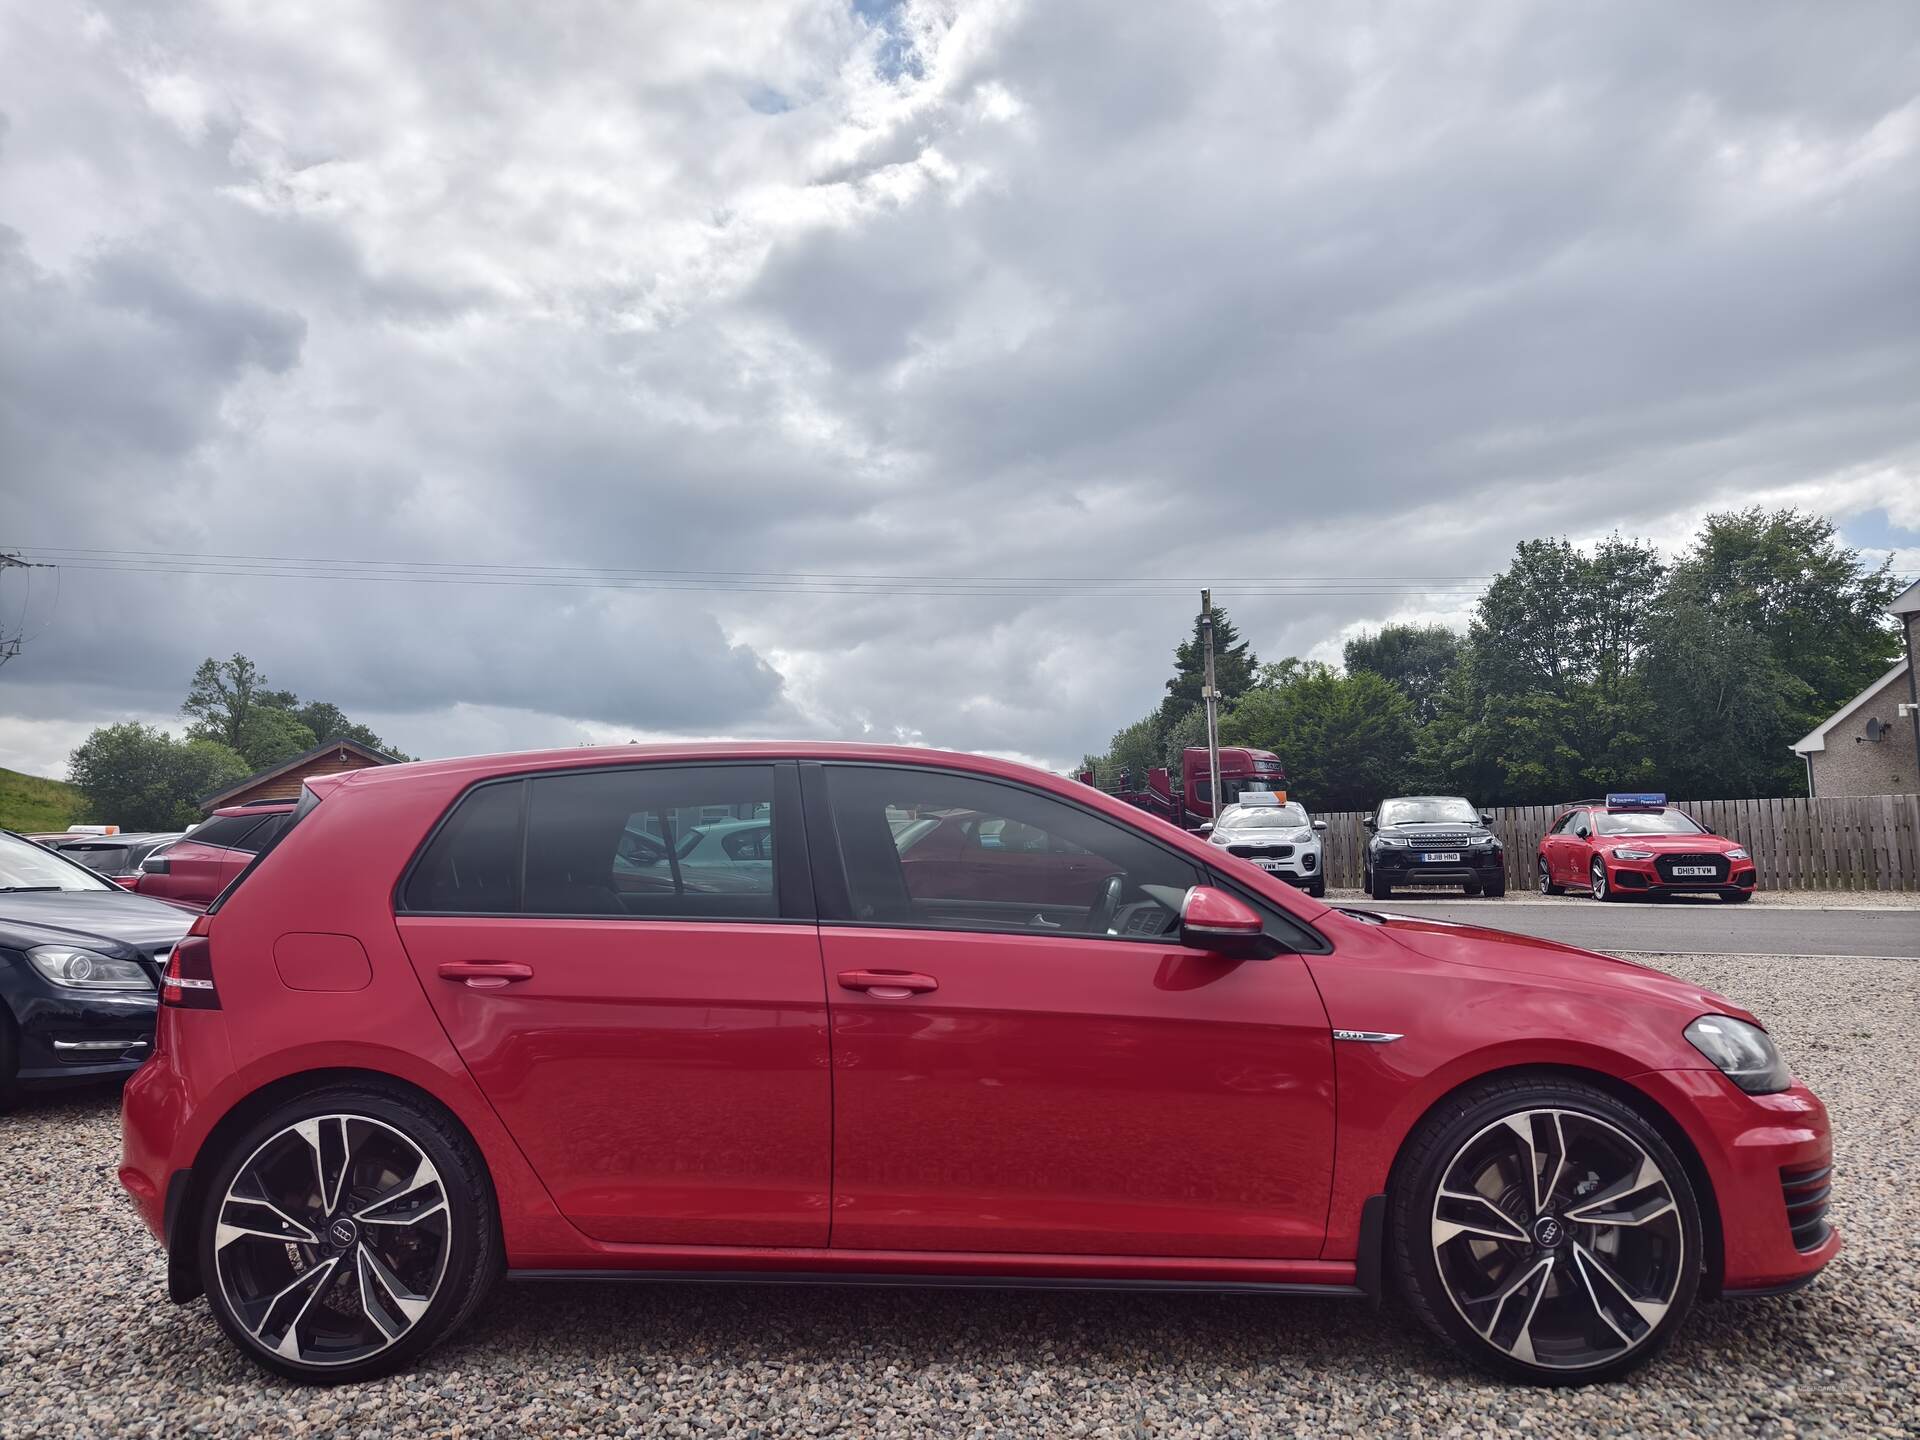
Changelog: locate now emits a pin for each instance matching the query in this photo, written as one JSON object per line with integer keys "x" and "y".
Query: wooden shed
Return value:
{"x": 283, "y": 781}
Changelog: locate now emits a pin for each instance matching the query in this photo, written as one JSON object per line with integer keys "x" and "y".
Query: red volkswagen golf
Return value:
{"x": 434, "y": 1035}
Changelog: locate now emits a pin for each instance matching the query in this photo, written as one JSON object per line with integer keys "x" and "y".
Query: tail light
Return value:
{"x": 188, "y": 982}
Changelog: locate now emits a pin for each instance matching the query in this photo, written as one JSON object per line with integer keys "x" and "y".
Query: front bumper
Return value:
{"x": 1302, "y": 867}
{"x": 1769, "y": 1161}
{"x": 1643, "y": 877}
{"x": 1406, "y": 867}
{"x": 73, "y": 1036}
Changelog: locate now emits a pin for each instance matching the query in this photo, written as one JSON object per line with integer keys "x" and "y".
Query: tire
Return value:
{"x": 1736, "y": 897}
{"x": 1597, "y": 882}
{"x": 1378, "y": 888}
{"x": 442, "y": 1233}
{"x": 1318, "y": 889}
{"x": 1497, "y": 890}
{"x": 1588, "y": 1319}
{"x": 1547, "y": 887}
{"x": 1472, "y": 887}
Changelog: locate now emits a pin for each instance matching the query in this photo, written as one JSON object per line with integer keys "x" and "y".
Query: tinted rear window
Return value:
{"x": 229, "y": 832}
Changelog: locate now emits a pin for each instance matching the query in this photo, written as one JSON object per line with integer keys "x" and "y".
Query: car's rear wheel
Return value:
{"x": 1547, "y": 887}
{"x": 1546, "y": 1230}
{"x": 346, "y": 1232}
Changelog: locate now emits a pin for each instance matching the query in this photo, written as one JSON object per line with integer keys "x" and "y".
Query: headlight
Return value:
{"x": 1745, "y": 1053}
{"x": 1737, "y": 854}
{"x": 1389, "y": 842}
{"x": 1622, "y": 853}
{"x": 84, "y": 970}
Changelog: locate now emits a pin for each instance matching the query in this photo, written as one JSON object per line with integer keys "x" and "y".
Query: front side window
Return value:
{"x": 925, "y": 848}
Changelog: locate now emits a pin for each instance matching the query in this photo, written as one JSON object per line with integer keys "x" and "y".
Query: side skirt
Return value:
{"x": 937, "y": 1281}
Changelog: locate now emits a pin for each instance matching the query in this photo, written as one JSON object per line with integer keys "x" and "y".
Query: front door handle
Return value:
{"x": 887, "y": 984}
{"x": 486, "y": 974}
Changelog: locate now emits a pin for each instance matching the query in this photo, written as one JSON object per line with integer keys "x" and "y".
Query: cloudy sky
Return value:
{"x": 694, "y": 299}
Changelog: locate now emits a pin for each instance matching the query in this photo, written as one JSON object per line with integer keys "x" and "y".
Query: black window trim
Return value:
{"x": 829, "y": 868}
{"x": 791, "y": 869}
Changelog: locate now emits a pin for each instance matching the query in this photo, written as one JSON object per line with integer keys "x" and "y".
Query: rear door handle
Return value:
{"x": 486, "y": 974}
{"x": 887, "y": 984}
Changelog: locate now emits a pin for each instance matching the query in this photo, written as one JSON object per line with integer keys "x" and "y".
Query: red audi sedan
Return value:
{"x": 434, "y": 1035}
{"x": 1637, "y": 844}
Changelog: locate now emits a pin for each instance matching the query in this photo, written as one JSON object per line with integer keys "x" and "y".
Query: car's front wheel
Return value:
{"x": 1597, "y": 882}
{"x": 1545, "y": 1229}
{"x": 1377, "y": 886}
{"x": 346, "y": 1232}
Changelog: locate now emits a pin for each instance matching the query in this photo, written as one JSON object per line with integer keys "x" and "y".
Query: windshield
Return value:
{"x": 1428, "y": 810}
{"x": 25, "y": 866}
{"x": 1648, "y": 822}
{"x": 1275, "y": 817}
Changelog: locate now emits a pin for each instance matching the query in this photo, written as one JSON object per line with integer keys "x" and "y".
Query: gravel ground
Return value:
{"x": 1768, "y": 899}
{"x": 90, "y": 1347}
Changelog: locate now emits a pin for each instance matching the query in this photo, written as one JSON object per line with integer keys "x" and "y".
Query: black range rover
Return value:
{"x": 1433, "y": 840}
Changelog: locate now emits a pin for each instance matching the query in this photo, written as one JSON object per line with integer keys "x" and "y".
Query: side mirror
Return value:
{"x": 1486, "y": 817}
{"x": 1369, "y": 822}
{"x": 156, "y": 866}
{"x": 1206, "y": 828}
{"x": 1320, "y": 825}
{"x": 1215, "y": 921}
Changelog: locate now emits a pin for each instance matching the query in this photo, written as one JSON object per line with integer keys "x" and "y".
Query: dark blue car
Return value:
{"x": 80, "y": 961}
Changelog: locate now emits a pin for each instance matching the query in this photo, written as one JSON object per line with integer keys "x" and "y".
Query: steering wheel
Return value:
{"x": 1106, "y": 906}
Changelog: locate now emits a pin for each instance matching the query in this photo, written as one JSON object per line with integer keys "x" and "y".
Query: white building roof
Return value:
{"x": 1907, "y": 602}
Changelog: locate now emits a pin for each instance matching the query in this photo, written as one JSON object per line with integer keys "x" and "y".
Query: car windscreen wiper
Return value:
{"x": 18, "y": 889}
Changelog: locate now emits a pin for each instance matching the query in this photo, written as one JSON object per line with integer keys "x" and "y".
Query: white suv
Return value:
{"x": 1275, "y": 834}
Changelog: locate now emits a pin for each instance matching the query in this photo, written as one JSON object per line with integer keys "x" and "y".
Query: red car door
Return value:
{"x": 1066, "y": 1081}
{"x": 1577, "y": 849}
{"x": 660, "y": 1056}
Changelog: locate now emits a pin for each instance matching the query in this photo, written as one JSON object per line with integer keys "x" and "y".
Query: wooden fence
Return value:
{"x": 1848, "y": 842}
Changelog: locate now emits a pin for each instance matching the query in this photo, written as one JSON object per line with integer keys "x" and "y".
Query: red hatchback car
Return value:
{"x": 1640, "y": 845}
{"x": 430, "y": 1038}
{"x": 199, "y": 865}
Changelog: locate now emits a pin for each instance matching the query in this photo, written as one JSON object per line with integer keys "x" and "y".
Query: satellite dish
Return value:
{"x": 1876, "y": 729}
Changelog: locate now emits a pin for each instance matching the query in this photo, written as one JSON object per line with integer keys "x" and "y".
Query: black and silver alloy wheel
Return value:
{"x": 1598, "y": 881}
{"x": 1558, "y": 1239}
{"x": 1547, "y": 887}
{"x": 346, "y": 1233}
{"x": 331, "y": 1241}
{"x": 1548, "y": 1230}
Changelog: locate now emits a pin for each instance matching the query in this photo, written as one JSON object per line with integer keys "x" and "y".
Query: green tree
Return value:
{"x": 222, "y": 698}
{"x": 328, "y": 722}
{"x": 141, "y": 778}
{"x": 1136, "y": 749}
{"x": 1346, "y": 740}
{"x": 1234, "y": 667}
{"x": 1819, "y": 607}
{"x": 1185, "y": 733}
{"x": 272, "y": 735}
{"x": 1728, "y": 711}
{"x": 1418, "y": 658}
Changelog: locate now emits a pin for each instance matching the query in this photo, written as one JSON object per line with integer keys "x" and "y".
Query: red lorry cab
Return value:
{"x": 1189, "y": 803}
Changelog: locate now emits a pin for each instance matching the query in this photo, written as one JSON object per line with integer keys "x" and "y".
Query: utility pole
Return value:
{"x": 10, "y": 644}
{"x": 1212, "y": 697}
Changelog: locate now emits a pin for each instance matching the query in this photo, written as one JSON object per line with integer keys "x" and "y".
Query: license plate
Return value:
{"x": 1449, "y": 857}
{"x": 1706, "y": 870}
{"x": 1270, "y": 864}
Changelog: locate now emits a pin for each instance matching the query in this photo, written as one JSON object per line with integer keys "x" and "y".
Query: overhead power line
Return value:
{"x": 303, "y": 567}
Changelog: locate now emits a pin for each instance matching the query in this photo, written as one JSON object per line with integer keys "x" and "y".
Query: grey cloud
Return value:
{"x": 1195, "y": 290}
